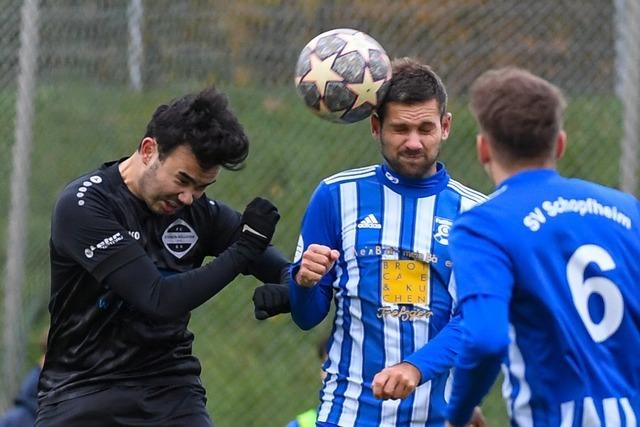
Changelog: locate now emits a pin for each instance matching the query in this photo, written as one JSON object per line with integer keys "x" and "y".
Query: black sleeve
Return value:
{"x": 140, "y": 284}
{"x": 84, "y": 229}
{"x": 267, "y": 267}
{"x": 224, "y": 226}
{"x": 270, "y": 267}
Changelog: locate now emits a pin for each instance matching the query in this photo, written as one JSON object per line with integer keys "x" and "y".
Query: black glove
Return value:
{"x": 270, "y": 299}
{"x": 258, "y": 224}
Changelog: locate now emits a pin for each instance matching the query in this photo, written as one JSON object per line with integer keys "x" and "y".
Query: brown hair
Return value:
{"x": 520, "y": 112}
{"x": 412, "y": 83}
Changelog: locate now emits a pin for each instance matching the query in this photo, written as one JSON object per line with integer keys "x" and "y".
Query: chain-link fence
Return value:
{"x": 102, "y": 66}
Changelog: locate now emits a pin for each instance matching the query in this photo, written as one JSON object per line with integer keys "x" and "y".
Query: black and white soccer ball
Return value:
{"x": 342, "y": 75}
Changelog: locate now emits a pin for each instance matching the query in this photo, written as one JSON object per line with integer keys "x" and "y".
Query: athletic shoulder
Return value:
{"x": 485, "y": 212}
{"x": 91, "y": 190}
{"x": 604, "y": 190}
{"x": 211, "y": 210}
{"x": 468, "y": 196}
{"x": 351, "y": 175}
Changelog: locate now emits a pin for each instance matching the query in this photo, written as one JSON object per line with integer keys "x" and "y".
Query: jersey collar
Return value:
{"x": 111, "y": 170}
{"x": 528, "y": 175}
{"x": 419, "y": 187}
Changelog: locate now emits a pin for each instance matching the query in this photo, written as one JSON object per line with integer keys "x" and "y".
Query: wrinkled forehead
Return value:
{"x": 415, "y": 113}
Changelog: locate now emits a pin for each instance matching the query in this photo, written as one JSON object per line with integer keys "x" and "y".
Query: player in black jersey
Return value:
{"x": 127, "y": 244}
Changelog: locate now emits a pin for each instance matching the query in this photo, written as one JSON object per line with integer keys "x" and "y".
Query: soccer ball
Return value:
{"x": 342, "y": 75}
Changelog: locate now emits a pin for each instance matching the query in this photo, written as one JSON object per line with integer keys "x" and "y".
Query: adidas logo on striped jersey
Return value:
{"x": 370, "y": 221}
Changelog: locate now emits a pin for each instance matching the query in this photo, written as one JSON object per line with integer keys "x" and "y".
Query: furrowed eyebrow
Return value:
{"x": 189, "y": 178}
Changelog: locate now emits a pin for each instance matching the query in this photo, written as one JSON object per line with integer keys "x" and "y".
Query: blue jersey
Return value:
{"x": 564, "y": 254}
{"x": 392, "y": 286}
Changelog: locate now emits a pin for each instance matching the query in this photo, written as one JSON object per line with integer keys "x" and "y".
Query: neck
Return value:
{"x": 129, "y": 172}
{"x": 499, "y": 172}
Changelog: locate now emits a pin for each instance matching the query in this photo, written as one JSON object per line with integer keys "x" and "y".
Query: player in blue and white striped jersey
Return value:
{"x": 547, "y": 272}
{"x": 376, "y": 238}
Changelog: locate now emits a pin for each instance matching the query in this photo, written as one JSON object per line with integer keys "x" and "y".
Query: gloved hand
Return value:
{"x": 258, "y": 224}
{"x": 270, "y": 299}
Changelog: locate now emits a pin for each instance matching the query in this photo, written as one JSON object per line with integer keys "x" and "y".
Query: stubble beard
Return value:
{"x": 146, "y": 188}
{"x": 411, "y": 168}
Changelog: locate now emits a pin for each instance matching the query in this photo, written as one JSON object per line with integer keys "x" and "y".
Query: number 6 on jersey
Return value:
{"x": 582, "y": 289}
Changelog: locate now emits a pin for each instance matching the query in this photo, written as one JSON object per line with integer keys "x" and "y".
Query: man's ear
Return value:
{"x": 445, "y": 123}
{"x": 561, "y": 144}
{"x": 148, "y": 149}
{"x": 483, "y": 151}
{"x": 376, "y": 126}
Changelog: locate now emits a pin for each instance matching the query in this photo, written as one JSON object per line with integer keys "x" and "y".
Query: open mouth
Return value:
{"x": 170, "y": 206}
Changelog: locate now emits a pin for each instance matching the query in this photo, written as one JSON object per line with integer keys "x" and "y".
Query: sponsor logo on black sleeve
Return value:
{"x": 103, "y": 244}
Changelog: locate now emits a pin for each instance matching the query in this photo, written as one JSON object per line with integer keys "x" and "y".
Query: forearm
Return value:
{"x": 309, "y": 306}
{"x": 439, "y": 354}
{"x": 270, "y": 267}
{"x": 470, "y": 385}
{"x": 140, "y": 283}
{"x": 485, "y": 343}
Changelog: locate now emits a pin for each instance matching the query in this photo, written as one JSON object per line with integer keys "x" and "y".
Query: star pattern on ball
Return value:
{"x": 367, "y": 90}
{"x": 358, "y": 42}
{"x": 321, "y": 72}
{"x": 324, "y": 111}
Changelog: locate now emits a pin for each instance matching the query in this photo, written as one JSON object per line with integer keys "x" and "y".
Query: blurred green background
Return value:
{"x": 87, "y": 110}
{"x": 256, "y": 373}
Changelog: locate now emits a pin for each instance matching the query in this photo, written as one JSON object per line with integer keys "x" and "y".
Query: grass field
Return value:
{"x": 256, "y": 373}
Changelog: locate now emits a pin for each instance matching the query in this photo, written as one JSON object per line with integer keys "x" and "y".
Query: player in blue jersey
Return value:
{"x": 547, "y": 272}
{"x": 376, "y": 239}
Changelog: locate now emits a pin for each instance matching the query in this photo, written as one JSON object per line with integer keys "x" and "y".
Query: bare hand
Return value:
{"x": 316, "y": 261}
{"x": 396, "y": 382}
{"x": 477, "y": 419}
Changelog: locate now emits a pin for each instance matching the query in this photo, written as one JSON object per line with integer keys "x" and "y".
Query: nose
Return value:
{"x": 186, "y": 198}
{"x": 413, "y": 141}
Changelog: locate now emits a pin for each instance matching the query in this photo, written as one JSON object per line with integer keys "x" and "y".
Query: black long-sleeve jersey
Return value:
{"x": 123, "y": 282}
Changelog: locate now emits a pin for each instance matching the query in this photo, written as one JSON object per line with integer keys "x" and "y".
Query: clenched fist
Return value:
{"x": 316, "y": 261}
{"x": 396, "y": 382}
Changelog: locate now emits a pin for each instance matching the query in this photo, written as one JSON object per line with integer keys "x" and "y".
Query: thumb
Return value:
{"x": 333, "y": 257}
{"x": 261, "y": 314}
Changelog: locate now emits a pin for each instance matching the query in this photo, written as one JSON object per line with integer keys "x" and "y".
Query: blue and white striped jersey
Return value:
{"x": 392, "y": 286}
{"x": 563, "y": 256}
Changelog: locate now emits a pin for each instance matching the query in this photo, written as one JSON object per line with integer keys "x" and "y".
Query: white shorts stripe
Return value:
{"x": 589, "y": 414}
{"x": 521, "y": 407}
{"x": 611, "y": 412}
{"x": 629, "y": 415}
{"x": 566, "y": 412}
{"x": 507, "y": 389}
{"x": 327, "y": 396}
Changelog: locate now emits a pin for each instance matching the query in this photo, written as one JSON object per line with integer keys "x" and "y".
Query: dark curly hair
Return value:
{"x": 205, "y": 123}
